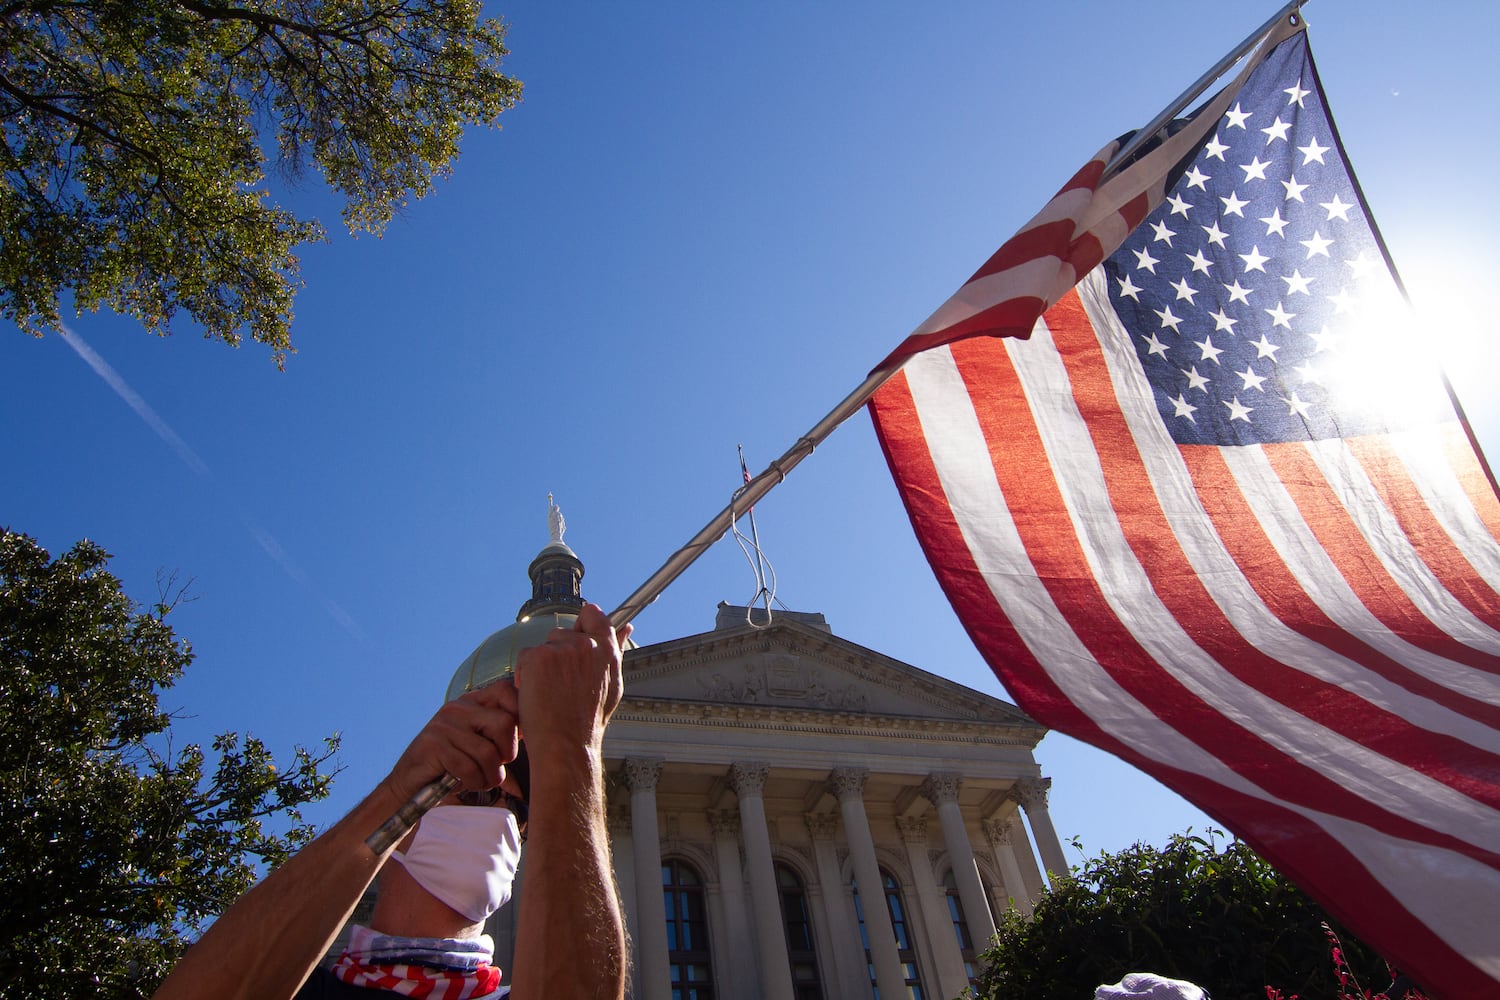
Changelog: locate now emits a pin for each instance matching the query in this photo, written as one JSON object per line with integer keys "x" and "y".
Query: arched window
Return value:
{"x": 905, "y": 951}
{"x": 687, "y": 932}
{"x": 800, "y": 946}
{"x": 961, "y": 927}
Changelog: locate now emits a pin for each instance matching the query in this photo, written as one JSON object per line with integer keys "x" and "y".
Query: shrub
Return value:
{"x": 1219, "y": 917}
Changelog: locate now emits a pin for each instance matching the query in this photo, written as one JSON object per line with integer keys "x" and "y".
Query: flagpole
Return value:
{"x": 777, "y": 470}
{"x": 1171, "y": 111}
{"x": 396, "y": 827}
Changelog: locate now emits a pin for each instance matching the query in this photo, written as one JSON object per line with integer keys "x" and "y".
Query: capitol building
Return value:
{"x": 793, "y": 815}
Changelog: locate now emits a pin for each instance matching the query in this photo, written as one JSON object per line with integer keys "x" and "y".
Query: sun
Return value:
{"x": 1456, "y": 300}
{"x": 1378, "y": 357}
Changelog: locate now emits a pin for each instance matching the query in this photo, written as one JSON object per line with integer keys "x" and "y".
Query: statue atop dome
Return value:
{"x": 555, "y": 523}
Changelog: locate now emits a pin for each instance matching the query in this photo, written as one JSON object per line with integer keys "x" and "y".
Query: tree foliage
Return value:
{"x": 136, "y": 136}
{"x": 1224, "y": 919}
{"x": 114, "y": 851}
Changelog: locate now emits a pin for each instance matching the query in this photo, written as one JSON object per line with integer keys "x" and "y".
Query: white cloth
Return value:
{"x": 466, "y": 856}
{"x": 371, "y": 947}
{"x": 1149, "y": 986}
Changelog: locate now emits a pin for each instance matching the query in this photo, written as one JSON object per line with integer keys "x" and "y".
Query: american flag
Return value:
{"x": 1218, "y": 515}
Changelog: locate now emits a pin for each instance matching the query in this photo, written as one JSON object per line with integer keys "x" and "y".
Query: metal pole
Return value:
{"x": 406, "y": 817}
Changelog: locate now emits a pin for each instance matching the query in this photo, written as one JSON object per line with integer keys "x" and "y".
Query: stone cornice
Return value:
{"x": 779, "y": 718}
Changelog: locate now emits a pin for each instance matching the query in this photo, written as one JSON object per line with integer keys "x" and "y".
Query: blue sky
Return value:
{"x": 700, "y": 229}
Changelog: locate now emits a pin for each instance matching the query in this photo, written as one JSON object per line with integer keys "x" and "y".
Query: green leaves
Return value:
{"x": 133, "y": 164}
{"x": 1219, "y": 917}
{"x": 112, "y": 851}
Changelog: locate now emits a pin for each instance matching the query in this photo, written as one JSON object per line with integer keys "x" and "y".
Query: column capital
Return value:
{"x": 1032, "y": 793}
{"x": 997, "y": 831}
{"x": 641, "y": 773}
{"x": 848, "y": 782}
{"x": 913, "y": 829}
{"x": 724, "y": 822}
{"x": 822, "y": 826}
{"x": 942, "y": 786}
{"x": 748, "y": 777}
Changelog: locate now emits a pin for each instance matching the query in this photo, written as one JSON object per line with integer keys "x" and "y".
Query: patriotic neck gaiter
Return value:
{"x": 436, "y": 968}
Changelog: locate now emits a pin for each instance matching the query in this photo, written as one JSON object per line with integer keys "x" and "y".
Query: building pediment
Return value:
{"x": 793, "y": 664}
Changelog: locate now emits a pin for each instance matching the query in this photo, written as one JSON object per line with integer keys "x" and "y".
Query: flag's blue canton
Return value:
{"x": 1251, "y": 289}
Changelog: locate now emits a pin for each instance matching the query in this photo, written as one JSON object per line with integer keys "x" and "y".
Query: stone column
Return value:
{"x": 848, "y": 783}
{"x": 942, "y": 791}
{"x": 1025, "y": 852}
{"x": 748, "y": 780}
{"x": 847, "y": 970}
{"x": 1002, "y": 846}
{"x": 946, "y": 959}
{"x": 743, "y": 980}
{"x": 653, "y": 969}
{"x": 1032, "y": 794}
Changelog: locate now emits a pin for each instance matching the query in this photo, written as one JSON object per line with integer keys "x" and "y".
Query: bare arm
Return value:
{"x": 571, "y": 937}
{"x": 266, "y": 944}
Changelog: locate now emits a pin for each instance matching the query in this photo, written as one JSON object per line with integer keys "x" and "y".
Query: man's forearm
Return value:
{"x": 265, "y": 945}
{"x": 571, "y": 937}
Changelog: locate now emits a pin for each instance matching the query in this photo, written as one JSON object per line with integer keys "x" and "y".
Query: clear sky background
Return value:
{"x": 701, "y": 228}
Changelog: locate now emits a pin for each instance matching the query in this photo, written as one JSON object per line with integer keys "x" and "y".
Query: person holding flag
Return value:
{"x": 424, "y": 938}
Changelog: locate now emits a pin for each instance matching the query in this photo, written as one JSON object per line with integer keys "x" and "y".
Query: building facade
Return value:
{"x": 793, "y": 815}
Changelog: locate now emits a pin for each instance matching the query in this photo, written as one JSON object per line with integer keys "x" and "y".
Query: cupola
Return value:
{"x": 556, "y": 598}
